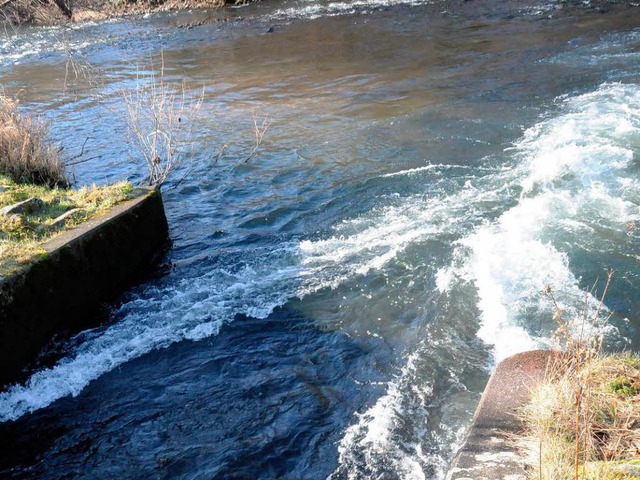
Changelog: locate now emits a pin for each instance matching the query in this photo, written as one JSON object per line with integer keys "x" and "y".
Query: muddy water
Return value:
{"x": 335, "y": 304}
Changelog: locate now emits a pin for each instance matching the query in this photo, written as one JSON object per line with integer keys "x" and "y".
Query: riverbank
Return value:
{"x": 544, "y": 415}
{"x": 78, "y": 270}
{"x": 55, "y": 12}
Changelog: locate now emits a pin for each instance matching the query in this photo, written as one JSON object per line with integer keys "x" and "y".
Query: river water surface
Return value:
{"x": 332, "y": 307}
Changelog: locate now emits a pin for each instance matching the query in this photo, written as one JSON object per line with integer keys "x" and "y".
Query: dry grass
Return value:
{"x": 585, "y": 415}
{"x": 21, "y": 235}
{"x": 35, "y": 11}
{"x": 26, "y": 153}
{"x": 63, "y": 11}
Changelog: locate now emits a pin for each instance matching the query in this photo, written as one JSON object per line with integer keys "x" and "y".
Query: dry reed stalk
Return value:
{"x": 26, "y": 153}
{"x": 258, "y": 132}
{"x": 580, "y": 414}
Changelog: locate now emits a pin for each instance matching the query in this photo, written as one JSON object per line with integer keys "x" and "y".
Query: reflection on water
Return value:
{"x": 335, "y": 304}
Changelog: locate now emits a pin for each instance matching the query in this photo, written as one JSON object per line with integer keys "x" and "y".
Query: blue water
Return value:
{"x": 332, "y": 307}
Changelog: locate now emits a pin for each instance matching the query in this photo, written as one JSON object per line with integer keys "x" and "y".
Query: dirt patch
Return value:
{"x": 54, "y": 12}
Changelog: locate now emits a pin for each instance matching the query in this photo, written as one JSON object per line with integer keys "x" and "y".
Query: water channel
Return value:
{"x": 332, "y": 307}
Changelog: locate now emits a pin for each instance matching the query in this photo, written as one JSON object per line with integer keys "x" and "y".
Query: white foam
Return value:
{"x": 339, "y": 8}
{"x": 193, "y": 309}
{"x": 567, "y": 165}
{"x": 438, "y": 166}
{"x": 369, "y": 448}
{"x": 383, "y": 237}
{"x": 387, "y": 440}
{"x": 22, "y": 44}
{"x": 569, "y": 173}
{"x": 613, "y": 51}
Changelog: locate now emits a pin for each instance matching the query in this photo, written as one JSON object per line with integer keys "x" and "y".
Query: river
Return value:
{"x": 332, "y": 307}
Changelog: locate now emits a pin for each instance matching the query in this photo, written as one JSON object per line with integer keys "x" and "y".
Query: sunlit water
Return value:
{"x": 332, "y": 307}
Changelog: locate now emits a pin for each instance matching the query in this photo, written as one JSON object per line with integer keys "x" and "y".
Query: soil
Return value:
{"x": 49, "y": 13}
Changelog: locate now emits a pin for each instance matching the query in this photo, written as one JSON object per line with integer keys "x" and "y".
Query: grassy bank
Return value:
{"x": 54, "y": 210}
{"x": 32, "y": 172}
{"x": 584, "y": 417}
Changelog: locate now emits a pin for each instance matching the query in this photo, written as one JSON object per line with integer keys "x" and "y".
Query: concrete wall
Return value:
{"x": 84, "y": 267}
{"x": 489, "y": 452}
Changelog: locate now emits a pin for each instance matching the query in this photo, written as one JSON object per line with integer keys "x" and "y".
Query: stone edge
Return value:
{"x": 84, "y": 267}
{"x": 489, "y": 451}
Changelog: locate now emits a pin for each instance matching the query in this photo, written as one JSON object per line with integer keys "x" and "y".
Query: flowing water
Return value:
{"x": 332, "y": 307}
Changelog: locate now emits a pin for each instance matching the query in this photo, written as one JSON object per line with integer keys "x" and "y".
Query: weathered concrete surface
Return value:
{"x": 84, "y": 267}
{"x": 26, "y": 206}
{"x": 488, "y": 452}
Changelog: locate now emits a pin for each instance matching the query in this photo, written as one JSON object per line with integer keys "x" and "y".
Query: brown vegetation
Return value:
{"x": 58, "y": 11}
{"x": 585, "y": 416}
{"x": 160, "y": 120}
{"x": 26, "y": 153}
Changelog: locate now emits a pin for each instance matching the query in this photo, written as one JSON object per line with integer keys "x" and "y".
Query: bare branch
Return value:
{"x": 258, "y": 131}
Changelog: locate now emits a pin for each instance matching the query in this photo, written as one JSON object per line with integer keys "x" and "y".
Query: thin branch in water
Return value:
{"x": 220, "y": 154}
{"x": 70, "y": 160}
{"x": 258, "y": 132}
{"x": 84, "y": 160}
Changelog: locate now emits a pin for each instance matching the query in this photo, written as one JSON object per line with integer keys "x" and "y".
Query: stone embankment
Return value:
{"x": 84, "y": 267}
{"x": 490, "y": 451}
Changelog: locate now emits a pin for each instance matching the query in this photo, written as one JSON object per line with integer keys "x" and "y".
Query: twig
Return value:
{"x": 70, "y": 161}
{"x": 5, "y": 3}
{"x": 83, "y": 161}
{"x": 258, "y": 132}
{"x": 220, "y": 154}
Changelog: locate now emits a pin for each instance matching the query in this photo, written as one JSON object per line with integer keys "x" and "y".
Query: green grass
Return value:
{"x": 612, "y": 470}
{"x": 21, "y": 235}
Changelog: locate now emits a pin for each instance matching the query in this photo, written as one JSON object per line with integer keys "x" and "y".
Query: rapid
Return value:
{"x": 332, "y": 307}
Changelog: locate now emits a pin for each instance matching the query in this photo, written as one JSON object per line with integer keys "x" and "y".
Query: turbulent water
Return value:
{"x": 332, "y": 307}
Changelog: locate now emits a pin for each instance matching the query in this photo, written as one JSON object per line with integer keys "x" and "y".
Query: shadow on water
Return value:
{"x": 241, "y": 404}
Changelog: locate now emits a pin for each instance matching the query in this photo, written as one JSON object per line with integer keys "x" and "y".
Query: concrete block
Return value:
{"x": 84, "y": 267}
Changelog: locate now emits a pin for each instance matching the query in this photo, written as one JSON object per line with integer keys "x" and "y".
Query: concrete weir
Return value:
{"x": 84, "y": 267}
{"x": 489, "y": 452}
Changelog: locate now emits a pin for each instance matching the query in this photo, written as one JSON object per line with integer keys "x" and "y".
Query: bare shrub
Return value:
{"x": 26, "y": 153}
{"x": 29, "y": 11}
{"x": 160, "y": 120}
{"x": 159, "y": 117}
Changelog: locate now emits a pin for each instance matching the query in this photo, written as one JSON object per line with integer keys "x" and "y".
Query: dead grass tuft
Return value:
{"x": 585, "y": 415}
{"x": 26, "y": 154}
